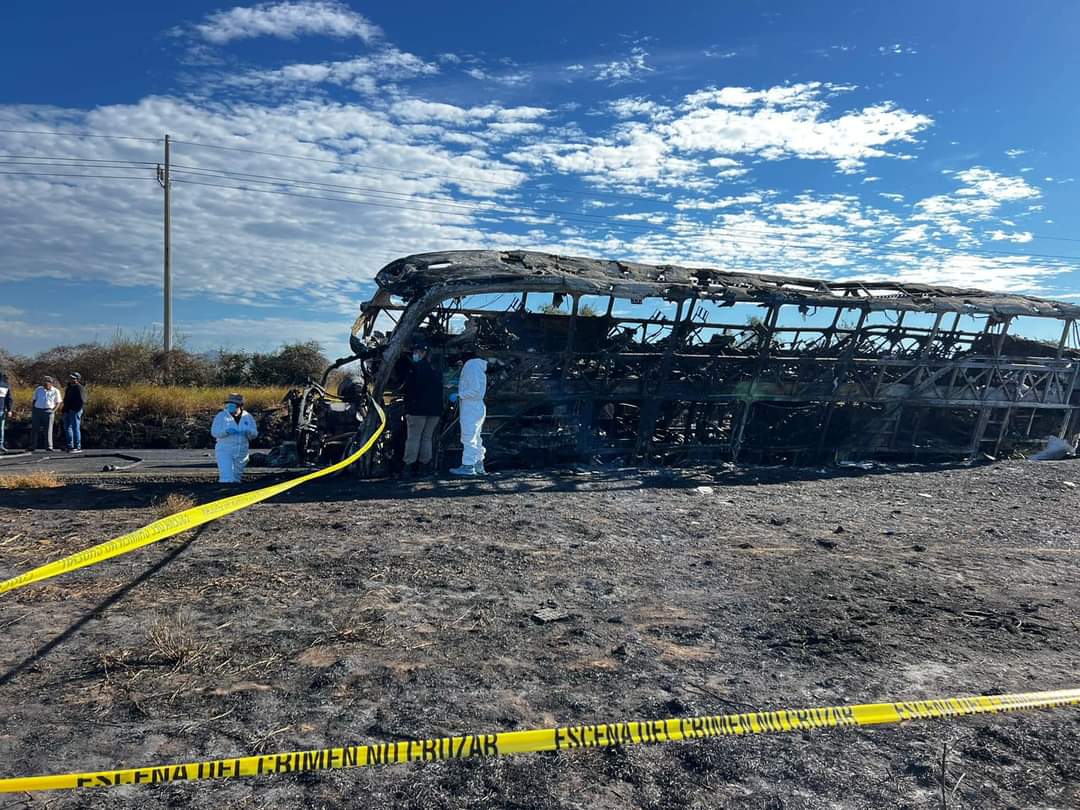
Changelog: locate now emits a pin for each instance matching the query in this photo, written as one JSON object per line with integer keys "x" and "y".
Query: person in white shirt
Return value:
{"x": 5, "y": 407}
{"x": 234, "y": 428}
{"x": 46, "y": 400}
{"x": 472, "y": 387}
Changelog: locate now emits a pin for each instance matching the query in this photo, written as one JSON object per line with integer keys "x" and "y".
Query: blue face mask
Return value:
{"x": 230, "y": 407}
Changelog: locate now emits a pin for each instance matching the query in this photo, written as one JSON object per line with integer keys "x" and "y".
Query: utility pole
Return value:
{"x": 168, "y": 254}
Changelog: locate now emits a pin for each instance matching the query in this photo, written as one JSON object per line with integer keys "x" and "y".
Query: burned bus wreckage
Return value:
{"x": 608, "y": 361}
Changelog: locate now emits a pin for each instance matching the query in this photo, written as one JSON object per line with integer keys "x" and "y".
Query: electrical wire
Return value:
{"x": 59, "y": 158}
{"x": 89, "y": 176}
{"x": 452, "y": 178}
{"x": 470, "y": 181}
{"x": 587, "y": 217}
{"x": 413, "y": 172}
{"x": 519, "y": 212}
{"x": 865, "y": 247}
{"x": 83, "y": 135}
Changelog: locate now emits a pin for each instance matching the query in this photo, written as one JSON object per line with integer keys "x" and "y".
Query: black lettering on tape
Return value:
{"x": 476, "y": 746}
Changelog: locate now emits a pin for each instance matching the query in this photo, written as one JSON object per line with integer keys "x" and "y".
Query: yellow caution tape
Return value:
{"x": 564, "y": 738}
{"x": 181, "y": 521}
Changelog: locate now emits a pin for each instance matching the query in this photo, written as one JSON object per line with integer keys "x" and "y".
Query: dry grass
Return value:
{"x": 31, "y": 480}
{"x": 162, "y": 400}
{"x": 172, "y": 503}
{"x": 174, "y": 642}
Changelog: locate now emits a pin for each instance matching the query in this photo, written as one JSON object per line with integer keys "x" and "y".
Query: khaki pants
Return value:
{"x": 419, "y": 432}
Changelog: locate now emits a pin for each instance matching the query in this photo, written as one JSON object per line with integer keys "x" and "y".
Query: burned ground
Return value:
{"x": 362, "y": 611}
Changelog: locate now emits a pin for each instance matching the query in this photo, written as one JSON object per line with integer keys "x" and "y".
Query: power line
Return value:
{"x": 782, "y": 244}
{"x": 780, "y": 241}
{"x": 759, "y": 237}
{"x": 75, "y": 159}
{"x": 474, "y": 181}
{"x": 90, "y": 176}
{"x": 414, "y": 172}
{"x": 786, "y": 240}
{"x": 82, "y": 135}
{"x": 117, "y": 164}
{"x": 514, "y": 212}
{"x": 468, "y": 181}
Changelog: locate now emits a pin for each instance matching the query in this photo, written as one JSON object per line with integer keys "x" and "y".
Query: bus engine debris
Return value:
{"x": 602, "y": 361}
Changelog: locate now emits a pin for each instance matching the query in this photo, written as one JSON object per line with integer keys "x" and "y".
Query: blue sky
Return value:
{"x": 925, "y": 141}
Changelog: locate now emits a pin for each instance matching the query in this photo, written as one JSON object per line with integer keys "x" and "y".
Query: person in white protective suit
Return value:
{"x": 234, "y": 428}
{"x": 470, "y": 396}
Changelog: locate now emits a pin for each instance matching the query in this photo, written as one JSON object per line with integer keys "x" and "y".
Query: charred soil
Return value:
{"x": 354, "y": 611}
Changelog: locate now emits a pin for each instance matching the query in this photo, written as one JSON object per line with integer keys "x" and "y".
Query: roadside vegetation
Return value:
{"x": 137, "y": 396}
{"x": 167, "y": 401}
{"x": 139, "y": 360}
{"x": 39, "y": 479}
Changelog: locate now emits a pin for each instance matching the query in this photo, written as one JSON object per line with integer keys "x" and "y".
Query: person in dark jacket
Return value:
{"x": 74, "y": 402}
{"x": 423, "y": 407}
{"x": 6, "y": 402}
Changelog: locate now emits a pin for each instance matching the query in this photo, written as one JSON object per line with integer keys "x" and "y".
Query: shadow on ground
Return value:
{"x": 113, "y": 491}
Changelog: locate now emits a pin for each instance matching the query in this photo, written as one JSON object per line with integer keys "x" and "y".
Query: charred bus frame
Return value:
{"x": 645, "y": 362}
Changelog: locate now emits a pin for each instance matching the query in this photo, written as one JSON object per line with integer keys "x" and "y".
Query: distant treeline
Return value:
{"x": 127, "y": 360}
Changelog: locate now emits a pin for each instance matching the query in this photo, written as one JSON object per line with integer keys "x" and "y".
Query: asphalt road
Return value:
{"x": 99, "y": 464}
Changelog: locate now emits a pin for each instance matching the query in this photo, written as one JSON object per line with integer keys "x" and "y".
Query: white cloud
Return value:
{"x": 1018, "y": 236}
{"x": 1015, "y": 153}
{"x": 914, "y": 234}
{"x": 389, "y": 162}
{"x": 295, "y": 250}
{"x": 515, "y": 128}
{"x": 286, "y": 20}
{"x": 634, "y": 107}
{"x": 510, "y": 79}
{"x": 774, "y": 134}
{"x": 363, "y": 74}
{"x": 620, "y": 71}
{"x": 653, "y": 218}
{"x": 998, "y": 274}
{"x": 795, "y": 95}
{"x": 982, "y": 194}
{"x": 724, "y": 202}
{"x": 414, "y": 109}
{"x": 896, "y": 49}
{"x": 776, "y": 123}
